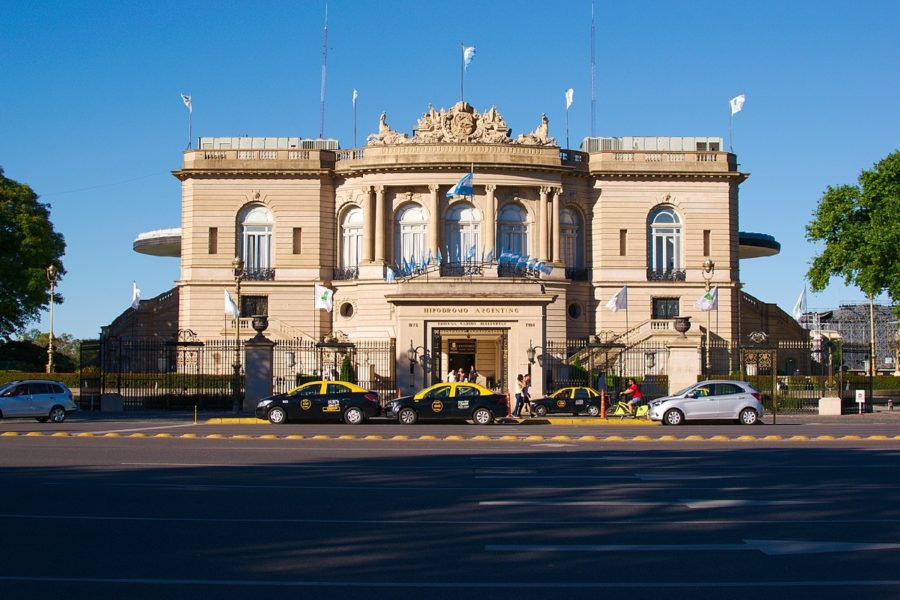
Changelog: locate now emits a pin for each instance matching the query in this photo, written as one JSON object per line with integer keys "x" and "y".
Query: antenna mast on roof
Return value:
{"x": 593, "y": 78}
{"x": 324, "y": 66}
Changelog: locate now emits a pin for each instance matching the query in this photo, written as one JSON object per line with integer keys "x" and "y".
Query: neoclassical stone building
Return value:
{"x": 409, "y": 262}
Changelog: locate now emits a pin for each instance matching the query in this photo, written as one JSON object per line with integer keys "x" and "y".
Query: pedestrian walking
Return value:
{"x": 526, "y": 394}
{"x": 520, "y": 385}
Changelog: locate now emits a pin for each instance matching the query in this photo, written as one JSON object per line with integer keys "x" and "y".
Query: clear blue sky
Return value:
{"x": 91, "y": 118}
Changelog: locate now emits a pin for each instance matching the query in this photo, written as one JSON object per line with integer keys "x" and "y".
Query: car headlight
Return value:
{"x": 265, "y": 402}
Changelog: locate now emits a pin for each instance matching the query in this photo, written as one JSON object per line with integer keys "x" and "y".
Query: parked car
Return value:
{"x": 39, "y": 399}
{"x": 574, "y": 400}
{"x": 321, "y": 401}
{"x": 707, "y": 400}
{"x": 449, "y": 401}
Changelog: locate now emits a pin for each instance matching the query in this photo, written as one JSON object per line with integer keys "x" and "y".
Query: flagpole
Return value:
{"x": 462, "y": 71}
{"x": 190, "y": 128}
{"x": 567, "y": 127}
{"x": 731, "y": 132}
{"x": 354, "y": 118}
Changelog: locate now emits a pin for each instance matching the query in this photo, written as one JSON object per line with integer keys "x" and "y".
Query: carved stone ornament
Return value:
{"x": 462, "y": 124}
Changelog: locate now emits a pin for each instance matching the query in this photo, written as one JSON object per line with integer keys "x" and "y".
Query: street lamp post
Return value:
{"x": 238, "y": 266}
{"x": 709, "y": 269}
{"x": 52, "y": 275}
{"x": 531, "y": 353}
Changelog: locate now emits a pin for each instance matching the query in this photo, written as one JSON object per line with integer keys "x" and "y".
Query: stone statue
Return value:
{"x": 539, "y": 137}
{"x": 385, "y": 134}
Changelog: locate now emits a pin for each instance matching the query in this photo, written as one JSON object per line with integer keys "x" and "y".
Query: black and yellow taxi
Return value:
{"x": 321, "y": 401}
{"x": 449, "y": 401}
{"x": 574, "y": 400}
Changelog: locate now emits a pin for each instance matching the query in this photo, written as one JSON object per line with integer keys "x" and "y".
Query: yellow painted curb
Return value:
{"x": 268, "y": 436}
{"x": 294, "y": 436}
{"x": 589, "y": 438}
{"x": 374, "y": 437}
{"x": 111, "y": 434}
{"x": 668, "y": 438}
{"x": 453, "y": 438}
{"x": 427, "y": 438}
{"x": 746, "y": 438}
{"x": 507, "y": 438}
{"x": 163, "y": 435}
{"x": 614, "y": 438}
{"x": 138, "y": 435}
{"x": 798, "y": 438}
{"x": 239, "y": 436}
{"x": 825, "y": 438}
{"x": 34, "y": 434}
{"x": 694, "y": 438}
{"x": 773, "y": 438}
{"x": 720, "y": 438}
{"x": 561, "y": 438}
{"x": 348, "y": 437}
{"x": 60, "y": 434}
{"x": 534, "y": 438}
{"x": 189, "y": 436}
{"x": 236, "y": 421}
{"x": 9, "y": 434}
{"x": 215, "y": 436}
{"x": 481, "y": 438}
{"x": 400, "y": 437}
{"x": 321, "y": 437}
{"x": 84, "y": 434}
{"x": 851, "y": 437}
{"x": 641, "y": 438}
{"x": 877, "y": 437}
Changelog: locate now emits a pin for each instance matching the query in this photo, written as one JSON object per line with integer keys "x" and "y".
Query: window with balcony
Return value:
{"x": 256, "y": 242}
{"x": 463, "y": 233}
{"x": 512, "y": 230}
{"x": 664, "y": 254}
{"x": 410, "y": 234}
{"x": 664, "y": 308}
{"x": 351, "y": 244}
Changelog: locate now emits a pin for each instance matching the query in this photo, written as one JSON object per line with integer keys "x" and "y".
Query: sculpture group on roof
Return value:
{"x": 461, "y": 124}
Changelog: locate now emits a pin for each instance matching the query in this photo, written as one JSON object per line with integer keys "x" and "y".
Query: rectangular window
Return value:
{"x": 213, "y": 245}
{"x": 623, "y": 242}
{"x": 714, "y": 146}
{"x": 701, "y": 146}
{"x": 665, "y": 308}
{"x": 706, "y": 241}
{"x": 298, "y": 246}
{"x": 254, "y": 305}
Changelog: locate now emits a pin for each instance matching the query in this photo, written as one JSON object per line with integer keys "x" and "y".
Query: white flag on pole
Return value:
{"x": 187, "y": 102}
{"x": 355, "y": 96}
{"x": 231, "y": 308}
{"x": 324, "y": 298}
{"x": 800, "y": 306}
{"x": 468, "y": 55}
{"x": 135, "y": 295}
{"x": 737, "y": 103}
{"x": 570, "y": 94}
{"x": 709, "y": 301}
{"x": 619, "y": 300}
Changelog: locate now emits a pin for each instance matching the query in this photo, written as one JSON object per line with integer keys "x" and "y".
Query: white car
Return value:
{"x": 707, "y": 400}
{"x": 42, "y": 400}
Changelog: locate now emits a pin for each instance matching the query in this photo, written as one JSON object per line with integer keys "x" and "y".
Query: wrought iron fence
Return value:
{"x": 186, "y": 372}
{"x": 606, "y": 365}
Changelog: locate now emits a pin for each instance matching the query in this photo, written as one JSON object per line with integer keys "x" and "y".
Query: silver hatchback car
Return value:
{"x": 719, "y": 399}
{"x": 42, "y": 400}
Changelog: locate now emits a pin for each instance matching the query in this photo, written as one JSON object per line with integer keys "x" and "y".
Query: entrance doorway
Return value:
{"x": 463, "y": 348}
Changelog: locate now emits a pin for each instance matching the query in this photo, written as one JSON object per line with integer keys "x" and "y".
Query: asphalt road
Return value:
{"x": 500, "y": 512}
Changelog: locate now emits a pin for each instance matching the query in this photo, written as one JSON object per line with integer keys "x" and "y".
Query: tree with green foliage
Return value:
{"x": 348, "y": 373}
{"x": 63, "y": 343}
{"x": 859, "y": 226}
{"x": 28, "y": 245}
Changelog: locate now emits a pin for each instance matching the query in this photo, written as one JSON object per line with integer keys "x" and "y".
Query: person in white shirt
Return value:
{"x": 451, "y": 376}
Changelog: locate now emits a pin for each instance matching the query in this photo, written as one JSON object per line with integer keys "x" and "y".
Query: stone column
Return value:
{"x": 433, "y": 218}
{"x": 557, "y": 207}
{"x": 490, "y": 219}
{"x": 258, "y": 352}
{"x": 379, "y": 224}
{"x": 542, "y": 230}
{"x": 368, "y": 226}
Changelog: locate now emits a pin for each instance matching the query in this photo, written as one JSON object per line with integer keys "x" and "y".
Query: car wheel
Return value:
{"x": 353, "y": 416}
{"x": 277, "y": 415}
{"x": 42, "y": 419}
{"x": 748, "y": 416}
{"x": 593, "y": 411}
{"x": 482, "y": 416}
{"x": 57, "y": 414}
{"x": 540, "y": 410}
{"x": 673, "y": 416}
{"x": 407, "y": 416}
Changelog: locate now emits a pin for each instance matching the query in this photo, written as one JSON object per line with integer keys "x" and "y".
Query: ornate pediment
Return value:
{"x": 462, "y": 124}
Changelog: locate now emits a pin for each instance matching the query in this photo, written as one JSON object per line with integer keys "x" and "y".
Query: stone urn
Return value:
{"x": 682, "y": 325}
{"x": 260, "y": 323}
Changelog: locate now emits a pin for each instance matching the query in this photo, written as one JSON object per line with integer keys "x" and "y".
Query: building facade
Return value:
{"x": 531, "y": 256}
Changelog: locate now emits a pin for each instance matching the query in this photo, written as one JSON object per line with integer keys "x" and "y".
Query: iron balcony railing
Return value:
{"x": 254, "y": 274}
{"x": 667, "y": 275}
{"x": 346, "y": 273}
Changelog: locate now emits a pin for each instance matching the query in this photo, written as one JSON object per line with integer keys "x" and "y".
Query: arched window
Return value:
{"x": 512, "y": 230}
{"x": 256, "y": 239}
{"x": 410, "y": 234}
{"x": 351, "y": 238}
{"x": 664, "y": 235}
{"x": 463, "y": 232}
{"x": 571, "y": 239}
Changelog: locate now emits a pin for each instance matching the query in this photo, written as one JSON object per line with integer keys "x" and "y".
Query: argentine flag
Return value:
{"x": 463, "y": 187}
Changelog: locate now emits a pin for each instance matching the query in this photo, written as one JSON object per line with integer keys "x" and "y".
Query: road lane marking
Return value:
{"x": 768, "y": 547}
{"x": 549, "y": 585}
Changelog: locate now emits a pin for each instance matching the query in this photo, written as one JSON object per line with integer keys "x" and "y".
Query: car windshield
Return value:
{"x": 684, "y": 391}
{"x": 5, "y": 387}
